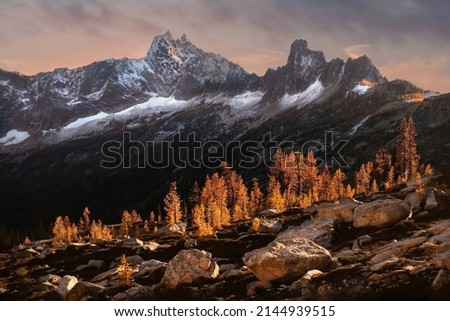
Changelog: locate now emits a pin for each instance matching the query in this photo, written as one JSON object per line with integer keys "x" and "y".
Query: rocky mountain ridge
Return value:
{"x": 53, "y": 125}
{"x": 43, "y": 104}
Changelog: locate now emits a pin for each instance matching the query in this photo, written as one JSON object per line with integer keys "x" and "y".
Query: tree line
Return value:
{"x": 294, "y": 180}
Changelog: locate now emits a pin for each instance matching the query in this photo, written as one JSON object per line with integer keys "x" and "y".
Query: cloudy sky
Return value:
{"x": 407, "y": 39}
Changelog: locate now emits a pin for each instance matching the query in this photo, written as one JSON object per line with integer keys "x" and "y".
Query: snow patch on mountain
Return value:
{"x": 132, "y": 73}
{"x": 248, "y": 98}
{"x": 361, "y": 89}
{"x": 84, "y": 120}
{"x": 429, "y": 94}
{"x": 155, "y": 104}
{"x": 358, "y": 125}
{"x": 341, "y": 73}
{"x": 14, "y": 137}
{"x": 305, "y": 97}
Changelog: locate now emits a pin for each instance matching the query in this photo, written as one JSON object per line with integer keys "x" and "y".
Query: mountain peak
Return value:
{"x": 303, "y": 66}
{"x": 299, "y": 43}
{"x": 362, "y": 68}
{"x": 168, "y": 35}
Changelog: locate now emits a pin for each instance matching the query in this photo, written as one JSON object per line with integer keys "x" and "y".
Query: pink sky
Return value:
{"x": 409, "y": 39}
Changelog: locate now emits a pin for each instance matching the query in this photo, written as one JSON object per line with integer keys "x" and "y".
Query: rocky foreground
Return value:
{"x": 393, "y": 246}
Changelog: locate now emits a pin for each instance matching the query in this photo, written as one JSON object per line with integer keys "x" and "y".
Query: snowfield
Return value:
{"x": 356, "y": 127}
{"x": 249, "y": 98}
{"x": 84, "y": 120}
{"x": 154, "y": 104}
{"x": 14, "y": 137}
{"x": 303, "y": 98}
{"x": 361, "y": 89}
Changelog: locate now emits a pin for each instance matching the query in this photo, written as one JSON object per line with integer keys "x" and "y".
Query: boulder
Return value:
{"x": 134, "y": 259}
{"x": 385, "y": 255}
{"x": 190, "y": 243}
{"x": 385, "y": 264}
{"x": 178, "y": 229}
{"x": 307, "y": 232}
{"x": 309, "y": 276}
{"x": 132, "y": 242}
{"x": 349, "y": 200}
{"x": 342, "y": 212}
{"x": 105, "y": 275}
{"x": 150, "y": 246}
{"x": 317, "y": 230}
{"x": 415, "y": 199}
{"x": 269, "y": 212}
{"x": 441, "y": 281}
{"x": 420, "y": 215}
{"x": 235, "y": 273}
{"x": 97, "y": 264}
{"x": 438, "y": 227}
{"x": 254, "y": 286}
{"x": 82, "y": 289}
{"x": 226, "y": 267}
{"x": 381, "y": 213}
{"x": 310, "y": 209}
{"x": 132, "y": 293}
{"x": 409, "y": 189}
{"x": 444, "y": 247}
{"x": 431, "y": 201}
{"x": 43, "y": 287}
{"x": 66, "y": 284}
{"x": 441, "y": 238}
{"x": 405, "y": 244}
{"x": 445, "y": 259}
{"x": 26, "y": 253}
{"x": 97, "y": 241}
{"x": 286, "y": 258}
{"x": 189, "y": 266}
{"x": 269, "y": 226}
{"x": 51, "y": 278}
{"x": 150, "y": 267}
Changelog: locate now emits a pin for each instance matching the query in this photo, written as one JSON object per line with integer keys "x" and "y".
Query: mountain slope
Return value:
{"x": 53, "y": 125}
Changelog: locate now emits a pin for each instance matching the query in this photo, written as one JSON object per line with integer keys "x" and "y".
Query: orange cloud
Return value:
{"x": 356, "y": 51}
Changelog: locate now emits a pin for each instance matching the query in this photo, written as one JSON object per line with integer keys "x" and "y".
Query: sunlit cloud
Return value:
{"x": 356, "y": 51}
{"x": 256, "y": 34}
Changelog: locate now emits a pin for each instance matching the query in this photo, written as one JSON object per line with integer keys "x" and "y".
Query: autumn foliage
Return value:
{"x": 64, "y": 232}
{"x": 125, "y": 271}
{"x": 387, "y": 171}
{"x": 172, "y": 204}
{"x": 294, "y": 180}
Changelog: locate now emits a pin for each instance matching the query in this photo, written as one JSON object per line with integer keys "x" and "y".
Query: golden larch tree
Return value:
{"x": 199, "y": 217}
{"x": 172, "y": 205}
{"x": 275, "y": 198}
{"x": 99, "y": 231}
{"x": 64, "y": 232}
{"x": 256, "y": 198}
{"x": 407, "y": 155}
